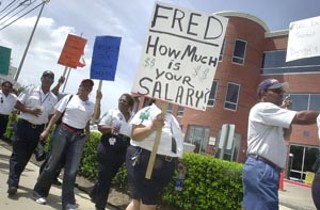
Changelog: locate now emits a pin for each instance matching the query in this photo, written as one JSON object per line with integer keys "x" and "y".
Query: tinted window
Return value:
{"x": 239, "y": 52}
{"x": 274, "y": 62}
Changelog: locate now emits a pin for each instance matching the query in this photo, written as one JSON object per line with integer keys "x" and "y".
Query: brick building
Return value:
{"x": 252, "y": 53}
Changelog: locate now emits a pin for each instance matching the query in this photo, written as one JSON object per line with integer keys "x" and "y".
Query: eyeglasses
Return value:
{"x": 277, "y": 91}
{"x": 1, "y": 100}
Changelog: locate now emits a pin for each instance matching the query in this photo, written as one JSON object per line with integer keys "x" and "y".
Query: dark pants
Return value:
{"x": 316, "y": 191}
{"x": 68, "y": 146}
{"x": 110, "y": 159}
{"x": 148, "y": 190}
{"x": 24, "y": 144}
{"x": 3, "y": 124}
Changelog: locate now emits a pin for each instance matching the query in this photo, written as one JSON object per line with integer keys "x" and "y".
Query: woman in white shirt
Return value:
{"x": 111, "y": 151}
{"x": 145, "y": 124}
{"x": 67, "y": 144}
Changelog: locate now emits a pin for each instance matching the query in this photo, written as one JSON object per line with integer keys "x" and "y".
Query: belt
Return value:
{"x": 34, "y": 126}
{"x": 4, "y": 116}
{"x": 162, "y": 157}
{"x": 266, "y": 161}
{"x": 124, "y": 137}
{"x": 71, "y": 129}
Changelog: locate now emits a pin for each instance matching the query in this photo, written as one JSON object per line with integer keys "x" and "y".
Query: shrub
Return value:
{"x": 210, "y": 184}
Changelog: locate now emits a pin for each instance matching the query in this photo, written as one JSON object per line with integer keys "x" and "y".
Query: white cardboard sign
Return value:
{"x": 304, "y": 39}
{"x": 180, "y": 56}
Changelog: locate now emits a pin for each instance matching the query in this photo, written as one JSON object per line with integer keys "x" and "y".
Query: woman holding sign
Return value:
{"x": 145, "y": 123}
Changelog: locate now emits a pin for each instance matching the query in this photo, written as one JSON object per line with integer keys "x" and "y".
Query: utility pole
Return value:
{"x": 29, "y": 42}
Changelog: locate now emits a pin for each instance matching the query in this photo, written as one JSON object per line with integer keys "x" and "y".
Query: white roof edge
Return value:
{"x": 244, "y": 15}
{"x": 277, "y": 33}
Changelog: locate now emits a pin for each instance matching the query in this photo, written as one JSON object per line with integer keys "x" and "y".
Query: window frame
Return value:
{"x": 242, "y": 59}
{"x": 214, "y": 94}
{"x": 180, "y": 111}
{"x": 222, "y": 51}
{"x": 231, "y": 102}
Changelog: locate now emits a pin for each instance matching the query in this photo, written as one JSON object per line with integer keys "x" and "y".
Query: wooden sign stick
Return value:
{"x": 96, "y": 113}
{"x": 156, "y": 143}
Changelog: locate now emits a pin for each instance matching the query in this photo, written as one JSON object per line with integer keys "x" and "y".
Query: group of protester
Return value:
{"x": 129, "y": 138}
{"x": 40, "y": 110}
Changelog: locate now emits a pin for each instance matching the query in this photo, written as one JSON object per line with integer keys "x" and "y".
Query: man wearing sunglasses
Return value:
{"x": 269, "y": 124}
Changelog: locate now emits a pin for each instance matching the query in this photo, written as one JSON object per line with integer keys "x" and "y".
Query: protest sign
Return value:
{"x": 180, "y": 56}
{"x": 72, "y": 51}
{"x": 5, "y": 55}
{"x": 105, "y": 57}
{"x": 303, "y": 41}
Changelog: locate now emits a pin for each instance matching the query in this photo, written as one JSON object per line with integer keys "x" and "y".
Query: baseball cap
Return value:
{"x": 272, "y": 84}
{"x": 48, "y": 73}
{"x": 88, "y": 81}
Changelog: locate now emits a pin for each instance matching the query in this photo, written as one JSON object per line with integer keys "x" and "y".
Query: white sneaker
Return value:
{"x": 41, "y": 201}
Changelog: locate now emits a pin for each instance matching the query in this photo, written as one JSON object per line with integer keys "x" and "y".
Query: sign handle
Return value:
{"x": 156, "y": 143}
{"x": 97, "y": 105}
{"x": 67, "y": 69}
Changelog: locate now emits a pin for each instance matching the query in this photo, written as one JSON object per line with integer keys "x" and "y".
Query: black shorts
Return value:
{"x": 144, "y": 189}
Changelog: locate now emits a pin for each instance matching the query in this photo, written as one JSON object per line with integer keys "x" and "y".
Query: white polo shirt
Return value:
{"x": 265, "y": 131}
{"x": 115, "y": 116}
{"x": 170, "y": 129}
{"x": 35, "y": 98}
{"x": 7, "y": 103}
{"x": 77, "y": 112}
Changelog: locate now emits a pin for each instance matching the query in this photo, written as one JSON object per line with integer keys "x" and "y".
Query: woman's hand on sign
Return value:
{"x": 158, "y": 122}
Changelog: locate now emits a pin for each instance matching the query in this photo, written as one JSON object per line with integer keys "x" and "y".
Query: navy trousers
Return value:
{"x": 111, "y": 155}
{"x": 23, "y": 145}
{"x": 3, "y": 124}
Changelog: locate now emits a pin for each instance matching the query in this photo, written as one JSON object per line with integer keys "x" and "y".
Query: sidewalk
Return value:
{"x": 23, "y": 199}
{"x": 294, "y": 196}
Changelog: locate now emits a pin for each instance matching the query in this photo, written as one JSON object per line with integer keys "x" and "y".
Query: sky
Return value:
{"x": 127, "y": 19}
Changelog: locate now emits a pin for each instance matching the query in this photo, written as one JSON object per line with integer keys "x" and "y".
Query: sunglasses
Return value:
{"x": 1, "y": 100}
{"x": 48, "y": 76}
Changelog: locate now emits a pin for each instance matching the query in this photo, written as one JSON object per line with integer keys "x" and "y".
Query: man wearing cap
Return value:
{"x": 269, "y": 124}
{"x": 67, "y": 144}
{"x": 35, "y": 106}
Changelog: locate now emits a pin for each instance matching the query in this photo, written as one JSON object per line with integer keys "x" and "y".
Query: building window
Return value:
{"x": 199, "y": 136}
{"x": 239, "y": 51}
{"x": 305, "y": 102}
{"x": 228, "y": 143}
{"x": 180, "y": 111}
{"x": 213, "y": 92}
{"x": 303, "y": 158}
{"x": 232, "y": 96}
{"x": 222, "y": 50}
{"x": 170, "y": 108}
{"x": 274, "y": 62}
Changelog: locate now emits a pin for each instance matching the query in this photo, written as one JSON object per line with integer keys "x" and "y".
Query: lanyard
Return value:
{"x": 45, "y": 98}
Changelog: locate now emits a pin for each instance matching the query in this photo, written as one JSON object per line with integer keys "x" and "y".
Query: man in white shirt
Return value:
{"x": 7, "y": 102}
{"x": 36, "y": 105}
{"x": 269, "y": 124}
